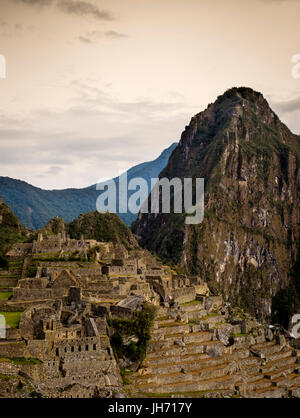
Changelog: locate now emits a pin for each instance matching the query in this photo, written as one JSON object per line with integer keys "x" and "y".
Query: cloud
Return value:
{"x": 85, "y": 40}
{"x": 288, "y": 106}
{"x": 83, "y": 8}
{"x": 73, "y": 7}
{"x": 36, "y": 2}
{"x": 96, "y": 138}
{"x": 96, "y": 35}
{"x": 54, "y": 170}
{"x": 114, "y": 34}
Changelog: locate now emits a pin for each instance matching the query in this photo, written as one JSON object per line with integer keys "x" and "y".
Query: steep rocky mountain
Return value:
{"x": 11, "y": 231}
{"x": 247, "y": 244}
{"x": 35, "y": 207}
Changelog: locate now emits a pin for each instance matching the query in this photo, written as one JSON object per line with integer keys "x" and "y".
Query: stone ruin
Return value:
{"x": 199, "y": 343}
{"x": 115, "y": 273}
{"x": 65, "y": 307}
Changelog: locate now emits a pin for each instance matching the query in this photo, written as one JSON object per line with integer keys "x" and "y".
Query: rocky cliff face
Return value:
{"x": 247, "y": 243}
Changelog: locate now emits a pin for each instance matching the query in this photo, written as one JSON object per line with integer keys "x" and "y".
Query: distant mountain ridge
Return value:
{"x": 34, "y": 207}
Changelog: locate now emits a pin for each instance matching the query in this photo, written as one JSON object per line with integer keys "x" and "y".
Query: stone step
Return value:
{"x": 222, "y": 383}
{"x": 171, "y": 328}
{"x": 168, "y": 335}
{"x": 259, "y": 383}
{"x": 203, "y": 359}
{"x": 168, "y": 340}
{"x": 280, "y": 362}
{"x": 287, "y": 369}
{"x": 294, "y": 391}
{"x": 268, "y": 392}
{"x": 176, "y": 377}
{"x": 169, "y": 360}
{"x": 188, "y": 365}
{"x": 263, "y": 345}
{"x": 192, "y": 308}
{"x": 210, "y": 319}
{"x": 164, "y": 321}
{"x": 8, "y": 281}
{"x": 267, "y": 348}
{"x": 292, "y": 379}
{"x": 249, "y": 362}
{"x": 197, "y": 337}
{"x": 196, "y": 315}
{"x": 280, "y": 355}
{"x": 253, "y": 374}
{"x": 188, "y": 349}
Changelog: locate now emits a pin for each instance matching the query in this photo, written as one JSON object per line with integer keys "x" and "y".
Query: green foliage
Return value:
{"x": 139, "y": 326}
{"x": 3, "y": 261}
{"x": 12, "y": 318}
{"x": 165, "y": 237}
{"x": 124, "y": 373}
{"x": 23, "y": 360}
{"x": 11, "y": 231}
{"x": 32, "y": 268}
{"x": 102, "y": 227}
{"x": 5, "y": 295}
{"x": 116, "y": 341}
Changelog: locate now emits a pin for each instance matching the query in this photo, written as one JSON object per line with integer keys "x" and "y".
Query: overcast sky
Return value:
{"x": 94, "y": 87}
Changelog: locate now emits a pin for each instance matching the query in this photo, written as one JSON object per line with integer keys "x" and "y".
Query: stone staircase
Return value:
{"x": 185, "y": 357}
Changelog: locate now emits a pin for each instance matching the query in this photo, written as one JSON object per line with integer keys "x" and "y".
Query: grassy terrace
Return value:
{"x": 12, "y": 318}
{"x": 203, "y": 318}
{"x": 193, "y": 302}
{"x": 5, "y": 295}
{"x": 8, "y": 276}
{"x": 20, "y": 360}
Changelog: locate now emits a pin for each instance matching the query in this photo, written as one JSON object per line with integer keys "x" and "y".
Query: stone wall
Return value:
{"x": 184, "y": 295}
{"x": 120, "y": 312}
{"x": 13, "y": 349}
{"x": 38, "y": 294}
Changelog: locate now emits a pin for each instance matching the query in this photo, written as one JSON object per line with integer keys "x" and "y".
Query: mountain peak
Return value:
{"x": 240, "y": 114}
{"x": 250, "y": 162}
{"x": 246, "y": 93}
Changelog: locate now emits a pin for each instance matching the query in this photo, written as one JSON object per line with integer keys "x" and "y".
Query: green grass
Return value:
{"x": 23, "y": 360}
{"x": 7, "y": 377}
{"x": 240, "y": 335}
{"x": 124, "y": 373}
{"x": 193, "y": 302}
{"x": 8, "y": 276}
{"x": 5, "y": 295}
{"x": 12, "y": 318}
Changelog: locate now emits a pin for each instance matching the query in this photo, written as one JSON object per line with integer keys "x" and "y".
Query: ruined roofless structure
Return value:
{"x": 66, "y": 292}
